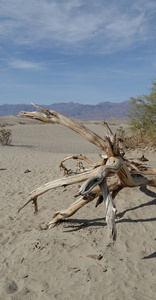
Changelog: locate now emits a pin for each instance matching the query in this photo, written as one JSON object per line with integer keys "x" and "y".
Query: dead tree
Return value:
{"x": 98, "y": 182}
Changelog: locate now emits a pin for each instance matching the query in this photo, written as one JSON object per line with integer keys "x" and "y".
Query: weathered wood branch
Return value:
{"x": 112, "y": 166}
{"x": 80, "y": 157}
{"x": 73, "y": 208}
{"x": 112, "y": 137}
{"x": 97, "y": 182}
{"x": 62, "y": 182}
{"x": 65, "y": 181}
{"x": 110, "y": 210}
{"x": 50, "y": 116}
{"x": 108, "y": 132}
{"x": 99, "y": 172}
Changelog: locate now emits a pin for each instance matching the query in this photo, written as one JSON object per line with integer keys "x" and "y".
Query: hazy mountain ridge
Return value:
{"x": 102, "y": 110}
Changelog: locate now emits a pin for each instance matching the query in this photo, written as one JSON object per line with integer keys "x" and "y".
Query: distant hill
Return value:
{"x": 102, "y": 110}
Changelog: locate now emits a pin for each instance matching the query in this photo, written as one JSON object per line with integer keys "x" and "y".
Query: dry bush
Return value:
{"x": 5, "y": 136}
{"x": 134, "y": 140}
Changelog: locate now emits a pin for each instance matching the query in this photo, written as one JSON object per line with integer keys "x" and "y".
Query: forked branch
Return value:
{"x": 50, "y": 116}
{"x": 80, "y": 157}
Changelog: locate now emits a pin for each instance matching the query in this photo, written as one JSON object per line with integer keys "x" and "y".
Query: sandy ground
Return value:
{"x": 54, "y": 264}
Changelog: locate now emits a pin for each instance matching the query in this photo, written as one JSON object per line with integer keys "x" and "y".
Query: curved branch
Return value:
{"x": 73, "y": 208}
{"x": 113, "y": 166}
{"x": 50, "y": 116}
{"x": 81, "y": 157}
{"x": 65, "y": 181}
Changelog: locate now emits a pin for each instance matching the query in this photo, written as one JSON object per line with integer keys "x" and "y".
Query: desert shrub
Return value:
{"x": 5, "y": 136}
{"x": 143, "y": 115}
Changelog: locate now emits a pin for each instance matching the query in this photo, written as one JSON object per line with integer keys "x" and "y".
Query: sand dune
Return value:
{"x": 58, "y": 263}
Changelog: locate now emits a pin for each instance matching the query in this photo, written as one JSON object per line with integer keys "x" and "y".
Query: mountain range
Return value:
{"x": 102, "y": 110}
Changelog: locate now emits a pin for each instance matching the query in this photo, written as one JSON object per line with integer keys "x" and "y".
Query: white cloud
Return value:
{"x": 101, "y": 26}
{"x": 22, "y": 64}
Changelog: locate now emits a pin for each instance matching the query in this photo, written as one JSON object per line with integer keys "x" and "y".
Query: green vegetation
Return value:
{"x": 5, "y": 136}
{"x": 143, "y": 115}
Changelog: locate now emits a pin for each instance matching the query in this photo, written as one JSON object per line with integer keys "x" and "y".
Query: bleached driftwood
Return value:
{"x": 79, "y": 157}
{"x": 95, "y": 183}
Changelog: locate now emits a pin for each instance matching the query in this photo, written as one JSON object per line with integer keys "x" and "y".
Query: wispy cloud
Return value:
{"x": 88, "y": 26}
{"x": 23, "y": 64}
{"x": 128, "y": 73}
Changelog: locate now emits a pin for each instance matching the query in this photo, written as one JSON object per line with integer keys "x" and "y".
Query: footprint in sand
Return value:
{"x": 11, "y": 287}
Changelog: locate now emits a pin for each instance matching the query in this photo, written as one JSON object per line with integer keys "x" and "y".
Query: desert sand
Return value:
{"x": 60, "y": 263}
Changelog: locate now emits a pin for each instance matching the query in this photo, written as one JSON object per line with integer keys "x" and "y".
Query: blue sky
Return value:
{"x": 75, "y": 50}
